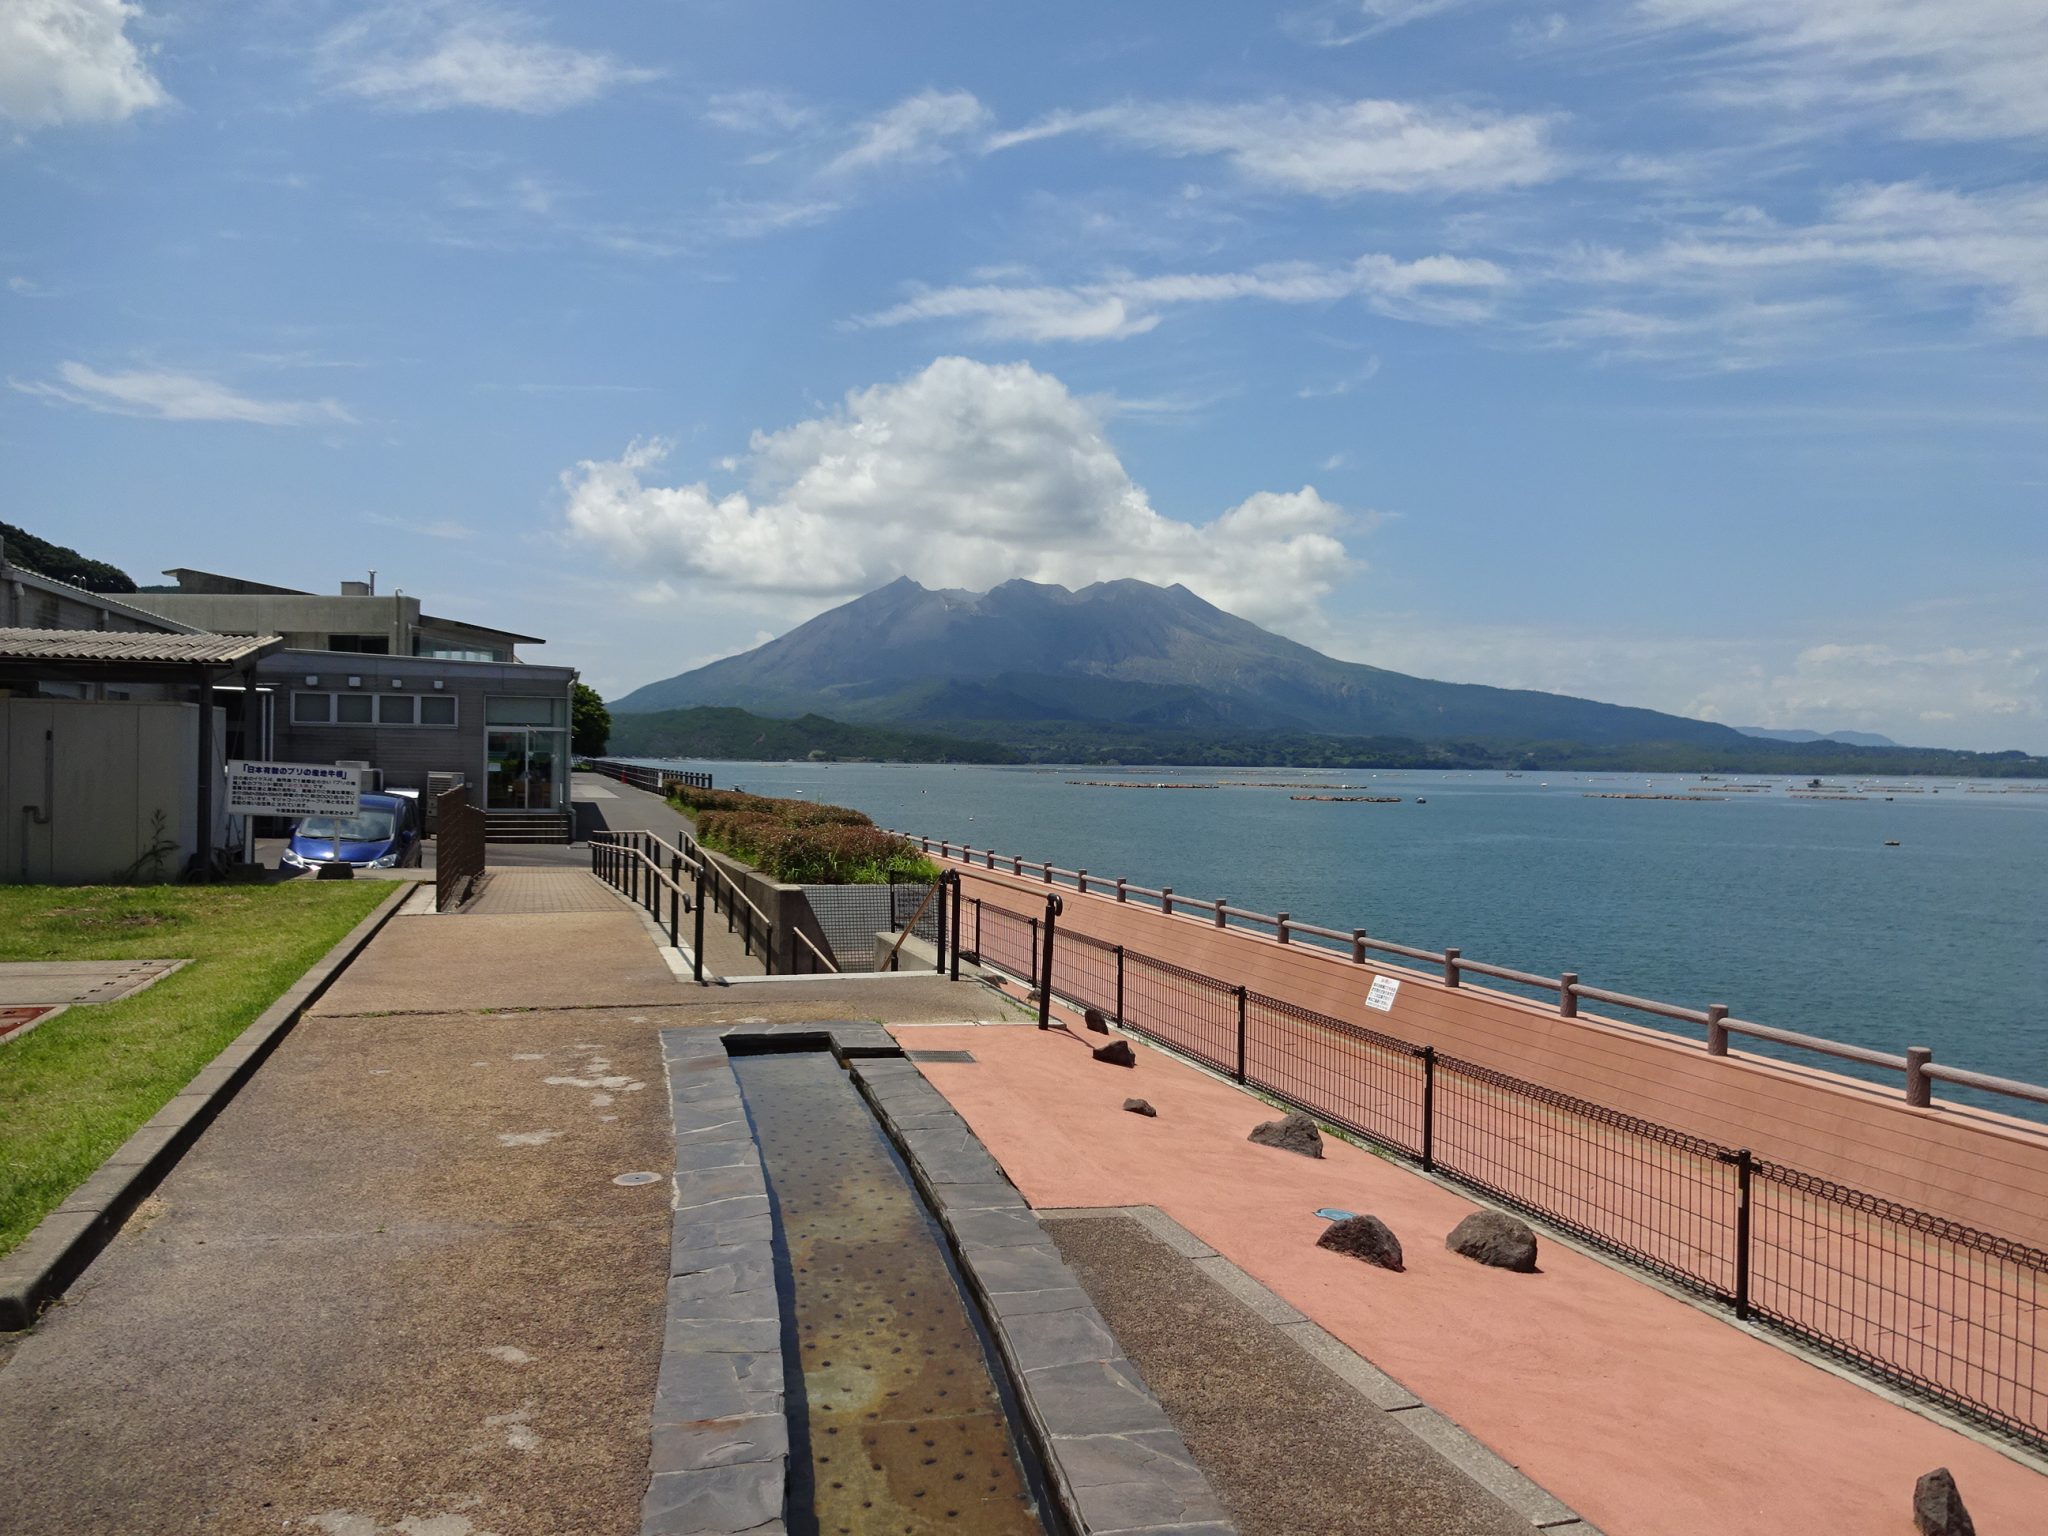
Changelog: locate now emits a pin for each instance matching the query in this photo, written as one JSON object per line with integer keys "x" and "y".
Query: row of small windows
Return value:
{"x": 366, "y": 708}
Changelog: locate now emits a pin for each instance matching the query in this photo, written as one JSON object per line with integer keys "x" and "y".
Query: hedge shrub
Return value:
{"x": 801, "y": 841}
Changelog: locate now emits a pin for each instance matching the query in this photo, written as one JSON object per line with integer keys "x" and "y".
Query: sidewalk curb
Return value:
{"x": 64, "y": 1242}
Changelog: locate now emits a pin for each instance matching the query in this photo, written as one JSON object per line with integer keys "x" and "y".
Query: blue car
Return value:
{"x": 384, "y": 834}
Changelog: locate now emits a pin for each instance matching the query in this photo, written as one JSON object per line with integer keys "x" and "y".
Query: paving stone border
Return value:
{"x": 1531, "y": 1501}
{"x": 1116, "y": 1464}
{"x": 68, "y": 1239}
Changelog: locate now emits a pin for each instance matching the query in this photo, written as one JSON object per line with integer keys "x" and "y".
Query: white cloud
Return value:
{"x": 434, "y": 54}
{"x": 72, "y": 61}
{"x": 758, "y": 112}
{"x": 1327, "y": 149}
{"x": 964, "y": 475}
{"x": 919, "y": 130}
{"x": 1343, "y": 384}
{"x": 176, "y": 397}
{"x": 1340, "y": 23}
{"x": 1441, "y": 288}
{"x": 1938, "y": 69}
{"x": 1750, "y": 279}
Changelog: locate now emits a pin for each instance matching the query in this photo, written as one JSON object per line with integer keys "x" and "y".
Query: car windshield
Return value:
{"x": 363, "y": 827}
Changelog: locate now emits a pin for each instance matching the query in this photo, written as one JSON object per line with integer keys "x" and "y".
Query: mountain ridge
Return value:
{"x": 1121, "y": 652}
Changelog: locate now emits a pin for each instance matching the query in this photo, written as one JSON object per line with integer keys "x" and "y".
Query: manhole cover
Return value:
{"x": 1331, "y": 1213}
{"x": 637, "y": 1178}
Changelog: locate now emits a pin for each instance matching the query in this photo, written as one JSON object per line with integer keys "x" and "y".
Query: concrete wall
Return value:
{"x": 1989, "y": 1171}
{"x": 406, "y": 753}
{"x": 100, "y": 772}
{"x": 304, "y": 620}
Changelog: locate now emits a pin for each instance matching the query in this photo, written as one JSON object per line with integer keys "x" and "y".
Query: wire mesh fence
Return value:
{"x": 1947, "y": 1311}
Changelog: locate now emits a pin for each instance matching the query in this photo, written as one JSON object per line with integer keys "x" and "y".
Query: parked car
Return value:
{"x": 384, "y": 834}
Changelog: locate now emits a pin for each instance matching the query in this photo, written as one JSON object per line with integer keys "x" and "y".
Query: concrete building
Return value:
{"x": 370, "y": 678}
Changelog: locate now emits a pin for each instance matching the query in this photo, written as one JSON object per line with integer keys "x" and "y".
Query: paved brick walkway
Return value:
{"x": 527, "y": 892}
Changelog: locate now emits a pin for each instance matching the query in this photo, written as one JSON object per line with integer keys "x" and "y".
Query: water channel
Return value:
{"x": 900, "y": 1417}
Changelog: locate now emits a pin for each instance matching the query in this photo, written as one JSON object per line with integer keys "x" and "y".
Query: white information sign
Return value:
{"x": 293, "y": 789}
{"x": 1382, "y": 994}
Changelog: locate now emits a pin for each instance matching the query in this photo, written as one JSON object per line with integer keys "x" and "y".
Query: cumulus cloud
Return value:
{"x": 435, "y": 54}
{"x": 1327, "y": 149}
{"x": 919, "y": 130}
{"x": 1441, "y": 288}
{"x": 964, "y": 475}
{"x": 1959, "y": 69}
{"x": 72, "y": 61}
{"x": 175, "y": 397}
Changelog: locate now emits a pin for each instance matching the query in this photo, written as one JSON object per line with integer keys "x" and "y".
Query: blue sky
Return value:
{"x": 1687, "y": 353}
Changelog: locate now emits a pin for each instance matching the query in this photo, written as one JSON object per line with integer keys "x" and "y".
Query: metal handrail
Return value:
{"x": 1917, "y": 1063}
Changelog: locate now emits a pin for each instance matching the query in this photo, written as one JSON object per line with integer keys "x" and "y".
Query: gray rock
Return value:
{"x": 1117, "y": 1053}
{"x": 1094, "y": 1019}
{"x": 1293, "y": 1133}
{"x": 1141, "y": 1107}
{"x": 1938, "y": 1507}
{"x": 1495, "y": 1238}
{"x": 1364, "y": 1237}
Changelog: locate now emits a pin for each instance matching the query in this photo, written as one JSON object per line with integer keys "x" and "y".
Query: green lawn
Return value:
{"x": 78, "y": 1086}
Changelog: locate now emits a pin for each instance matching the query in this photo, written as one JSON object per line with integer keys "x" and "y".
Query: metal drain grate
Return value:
{"x": 954, "y": 1056}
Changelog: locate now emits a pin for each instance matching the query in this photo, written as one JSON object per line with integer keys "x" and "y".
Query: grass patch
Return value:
{"x": 801, "y": 841}
{"x": 80, "y": 1084}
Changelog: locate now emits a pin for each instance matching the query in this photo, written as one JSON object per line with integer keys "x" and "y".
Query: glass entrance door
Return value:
{"x": 522, "y": 767}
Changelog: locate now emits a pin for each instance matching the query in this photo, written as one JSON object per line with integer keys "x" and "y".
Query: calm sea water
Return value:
{"x": 1792, "y": 912}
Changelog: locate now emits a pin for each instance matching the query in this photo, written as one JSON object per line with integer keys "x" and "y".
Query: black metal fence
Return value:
{"x": 1926, "y": 1304}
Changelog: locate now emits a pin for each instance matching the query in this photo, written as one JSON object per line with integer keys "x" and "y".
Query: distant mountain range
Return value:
{"x": 1119, "y": 653}
{"x": 1853, "y": 738}
{"x": 1124, "y": 671}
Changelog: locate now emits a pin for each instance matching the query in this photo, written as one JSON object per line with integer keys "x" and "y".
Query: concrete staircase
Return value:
{"x": 526, "y": 827}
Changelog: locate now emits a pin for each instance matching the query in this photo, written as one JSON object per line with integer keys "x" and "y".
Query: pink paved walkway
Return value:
{"x": 1648, "y": 1416}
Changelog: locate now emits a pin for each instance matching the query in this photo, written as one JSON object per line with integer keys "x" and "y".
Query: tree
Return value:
{"x": 61, "y": 564}
{"x": 590, "y": 723}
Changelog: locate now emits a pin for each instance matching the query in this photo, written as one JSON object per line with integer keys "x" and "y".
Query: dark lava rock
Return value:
{"x": 1363, "y": 1237}
{"x": 1117, "y": 1053}
{"x": 1295, "y": 1133}
{"x": 1495, "y": 1238}
{"x": 1938, "y": 1508}
{"x": 1094, "y": 1020}
{"x": 1140, "y": 1107}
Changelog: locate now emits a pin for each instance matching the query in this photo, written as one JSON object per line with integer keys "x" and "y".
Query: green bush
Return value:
{"x": 800, "y": 841}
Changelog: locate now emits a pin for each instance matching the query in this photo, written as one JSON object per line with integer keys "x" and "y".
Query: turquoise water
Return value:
{"x": 1790, "y": 911}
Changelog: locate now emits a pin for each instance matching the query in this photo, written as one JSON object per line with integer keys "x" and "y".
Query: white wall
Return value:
{"x": 99, "y": 772}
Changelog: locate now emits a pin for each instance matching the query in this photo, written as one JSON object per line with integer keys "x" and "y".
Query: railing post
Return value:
{"x": 1222, "y": 921}
{"x": 977, "y": 930}
{"x": 1119, "y": 986}
{"x": 1166, "y": 900}
{"x": 698, "y": 921}
{"x": 1081, "y": 881}
{"x": 1046, "y": 870}
{"x": 675, "y": 902}
{"x": 941, "y": 898}
{"x": 1280, "y": 925}
{"x": 956, "y": 927}
{"x": 1745, "y": 1166}
{"x": 1017, "y": 865}
{"x": 1243, "y": 1010}
{"x": 1919, "y": 1087}
{"x": 1120, "y": 893}
{"x": 1033, "y": 977}
{"x": 1358, "y": 937}
{"x": 1451, "y": 966}
{"x": 1428, "y": 1055}
{"x": 1717, "y": 1032}
{"x": 1053, "y": 907}
{"x": 1567, "y": 999}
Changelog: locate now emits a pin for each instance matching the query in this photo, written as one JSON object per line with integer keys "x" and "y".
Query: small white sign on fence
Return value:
{"x": 1381, "y": 996}
{"x": 293, "y": 789}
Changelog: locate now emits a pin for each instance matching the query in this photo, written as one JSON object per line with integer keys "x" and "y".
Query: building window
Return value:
{"x": 448, "y": 650}
{"x": 387, "y": 708}
{"x": 528, "y": 709}
{"x": 362, "y": 645}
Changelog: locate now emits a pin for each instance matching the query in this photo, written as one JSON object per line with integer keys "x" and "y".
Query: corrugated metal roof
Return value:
{"x": 106, "y": 645}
